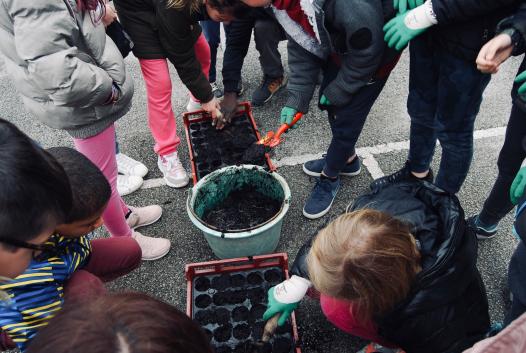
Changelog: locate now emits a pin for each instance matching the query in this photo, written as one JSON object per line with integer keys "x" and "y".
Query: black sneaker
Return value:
{"x": 315, "y": 167}
{"x": 482, "y": 232}
{"x": 266, "y": 90}
{"x": 403, "y": 174}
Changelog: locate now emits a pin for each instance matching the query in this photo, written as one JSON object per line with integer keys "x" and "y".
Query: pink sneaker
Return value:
{"x": 143, "y": 216}
{"x": 152, "y": 248}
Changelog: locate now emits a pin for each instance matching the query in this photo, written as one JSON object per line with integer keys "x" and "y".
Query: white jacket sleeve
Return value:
{"x": 45, "y": 33}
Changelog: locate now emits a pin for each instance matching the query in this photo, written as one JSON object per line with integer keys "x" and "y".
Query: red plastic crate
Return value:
{"x": 201, "y": 115}
{"x": 242, "y": 264}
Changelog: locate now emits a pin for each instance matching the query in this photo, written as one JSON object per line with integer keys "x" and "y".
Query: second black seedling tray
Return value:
{"x": 230, "y": 308}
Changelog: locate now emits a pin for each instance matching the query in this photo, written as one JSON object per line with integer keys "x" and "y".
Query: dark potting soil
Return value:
{"x": 223, "y": 333}
{"x": 214, "y": 149}
{"x": 257, "y": 295}
{"x": 237, "y": 280}
{"x": 208, "y": 334}
{"x": 223, "y": 349}
{"x": 221, "y": 282}
{"x": 241, "y": 332}
{"x": 257, "y": 330}
{"x": 243, "y": 208}
{"x": 240, "y": 313}
{"x": 222, "y": 316}
{"x": 281, "y": 345}
{"x": 202, "y": 301}
{"x": 286, "y": 328}
{"x": 273, "y": 276}
{"x": 202, "y": 284}
{"x": 256, "y": 312}
{"x": 254, "y": 278}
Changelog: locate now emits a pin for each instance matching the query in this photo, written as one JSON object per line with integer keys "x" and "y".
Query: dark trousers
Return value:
{"x": 347, "y": 122}
{"x": 267, "y": 35}
{"x": 445, "y": 93}
{"x": 517, "y": 283}
{"x": 511, "y": 155}
{"x": 212, "y": 32}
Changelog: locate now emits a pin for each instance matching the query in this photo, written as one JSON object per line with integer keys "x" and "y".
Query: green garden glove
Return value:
{"x": 404, "y": 27}
{"x": 324, "y": 100}
{"x": 287, "y": 115}
{"x": 521, "y": 78}
{"x": 284, "y": 298}
{"x": 403, "y": 5}
{"x": 518, "y": 185}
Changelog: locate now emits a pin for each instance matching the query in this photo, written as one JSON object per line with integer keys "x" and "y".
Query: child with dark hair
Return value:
{"x": 71, "y": 266}
{"x": 35, "y": 196}
{"x": 124, "y": 322}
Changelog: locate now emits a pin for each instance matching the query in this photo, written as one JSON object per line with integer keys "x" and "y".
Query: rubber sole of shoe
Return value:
{"x": 322, "y": 213}
{"x": 157, "y": 257}
{"x": 485, "y": 237}
{"x": 147, "y": 224}
{"x": 177, "y": 186}
{"x": 314, "y": 174}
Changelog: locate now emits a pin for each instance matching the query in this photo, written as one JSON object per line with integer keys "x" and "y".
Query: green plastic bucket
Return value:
{"x": 215, "y": 187}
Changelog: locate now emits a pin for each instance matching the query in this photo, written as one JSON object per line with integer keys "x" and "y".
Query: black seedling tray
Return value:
{"x": 229, "y": 303}
{"x": 212, "y": 149}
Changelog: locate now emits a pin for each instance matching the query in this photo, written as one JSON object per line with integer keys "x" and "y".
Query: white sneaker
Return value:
{"x": 129, "y": 166}
{"x": 126, "y": 184}
{"x": 192, "y": 106}
{"x": 143, "y": 216}
{"x": 173, "y": 171}
{"x": 152, "y": 248}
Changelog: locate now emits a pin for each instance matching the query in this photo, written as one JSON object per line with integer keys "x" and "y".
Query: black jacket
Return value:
{"x": 158, "y": 32}
{"x": 447, "y": 309}
{"x": 464, "y": 26}
{"x": 517, "y": 22}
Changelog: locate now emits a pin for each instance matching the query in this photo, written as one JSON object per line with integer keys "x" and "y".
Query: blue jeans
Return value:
{"x": 347, "y": 122}
{"x": 212, "y": 32}
{"x": 444, "y": 99}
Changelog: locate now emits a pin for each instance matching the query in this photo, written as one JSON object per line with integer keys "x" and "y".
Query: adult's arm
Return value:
{"x": 43, "y": 32}
{"x": 175, "y": 32}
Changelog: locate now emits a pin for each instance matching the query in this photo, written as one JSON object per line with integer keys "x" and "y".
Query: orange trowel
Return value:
{"x": 272, "y": 139}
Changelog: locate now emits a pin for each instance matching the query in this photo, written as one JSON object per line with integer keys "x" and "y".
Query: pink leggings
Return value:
{"x": 100, "y": 149}
{"x": 161, "y": 119}
{"x": 340, "y": 314}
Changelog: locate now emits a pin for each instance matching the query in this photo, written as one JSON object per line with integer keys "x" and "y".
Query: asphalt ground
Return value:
{"x": 388, "y": 123}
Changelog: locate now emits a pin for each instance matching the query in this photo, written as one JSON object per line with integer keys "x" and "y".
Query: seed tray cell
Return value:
{"x": 212, "y": 149}
{"x": 228, "y": 299}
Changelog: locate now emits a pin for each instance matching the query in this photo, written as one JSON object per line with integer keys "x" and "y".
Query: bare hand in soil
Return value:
{"x": 228, "y": 108}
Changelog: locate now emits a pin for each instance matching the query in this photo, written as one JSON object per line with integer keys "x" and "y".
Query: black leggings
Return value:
{"x": 511, "y": 155}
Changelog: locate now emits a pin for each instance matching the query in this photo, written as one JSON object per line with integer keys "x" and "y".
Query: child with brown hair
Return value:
{"x": 399, "y": 270}
{"x": 124, "y": 322}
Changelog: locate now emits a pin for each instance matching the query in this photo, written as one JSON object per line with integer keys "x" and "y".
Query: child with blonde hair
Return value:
{"x": 399, "y": 270}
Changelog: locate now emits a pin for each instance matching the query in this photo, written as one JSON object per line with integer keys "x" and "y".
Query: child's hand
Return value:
{"x": 518, "y": 186}
{"x": 287, "y": 115}
{"x": 285, "y": 297}
{"x": 494, "y": 53}
{"x": 109, "y": 16}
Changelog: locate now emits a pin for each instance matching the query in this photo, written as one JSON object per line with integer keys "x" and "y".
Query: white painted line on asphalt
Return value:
{"x": 372, "y": 165}
{"x": 366, "y": 153}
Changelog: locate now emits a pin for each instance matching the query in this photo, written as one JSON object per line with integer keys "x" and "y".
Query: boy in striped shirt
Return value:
{"x": 72, "y": 265}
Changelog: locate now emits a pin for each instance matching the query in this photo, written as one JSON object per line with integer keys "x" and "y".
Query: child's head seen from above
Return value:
{"x": 121, "y": 323}
{"x": 90, "y": 192}
{"x": 367, "y": 257}
{"x": 35, "y": 197}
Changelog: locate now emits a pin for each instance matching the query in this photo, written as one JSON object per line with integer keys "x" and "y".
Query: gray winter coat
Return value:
{"x": 350, "y": 29}
{"x": 63, "y": 65}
